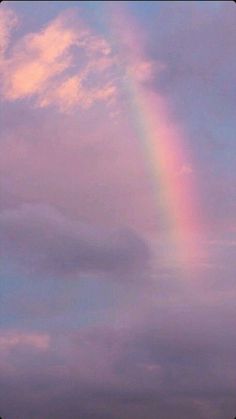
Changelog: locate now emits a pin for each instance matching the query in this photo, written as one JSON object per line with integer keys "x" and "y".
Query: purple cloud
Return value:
{"x": 43, "y": 240}
{"x": 171, "y": 366}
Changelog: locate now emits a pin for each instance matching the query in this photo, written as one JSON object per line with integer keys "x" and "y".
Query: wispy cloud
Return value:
{"x": 12, "y": 339}
{"x": 185, "y": 169}
{"x": 8, "y": 20}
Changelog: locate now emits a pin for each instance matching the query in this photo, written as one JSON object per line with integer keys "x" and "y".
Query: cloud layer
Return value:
{"x": 45, "y": 241}
{"x": 97, "y": 321}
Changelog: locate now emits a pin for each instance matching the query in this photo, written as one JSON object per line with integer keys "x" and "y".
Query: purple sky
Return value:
{"x": 118, "y": 156}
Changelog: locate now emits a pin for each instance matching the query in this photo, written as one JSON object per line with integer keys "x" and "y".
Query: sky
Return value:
{"x": 117, "y": 210}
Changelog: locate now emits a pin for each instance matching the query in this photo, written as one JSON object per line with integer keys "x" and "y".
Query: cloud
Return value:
{"x": 37, "y": 58}
{"x": 11, "y": 339}
{"x": 195, "y": 46}
{"x": 166, "y": 365}
{"x": 155, "y": 347}
{"x": 96, "y": 171}
{"x": 43, "y": 240}
{"x": 8, "y": 21}
{"x": 188, "y": 61}
{"x": 55, "y": 66}
{"x": 185, "y": 170}
{"x": 71, "y": 92}
{"x": 142, "y": 70}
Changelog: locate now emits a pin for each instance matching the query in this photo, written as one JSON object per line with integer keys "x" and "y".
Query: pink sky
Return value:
{"x": 117, "y": 210}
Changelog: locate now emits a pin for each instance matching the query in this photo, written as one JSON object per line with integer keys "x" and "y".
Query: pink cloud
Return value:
{"x": 36, "y": 58}
{"x": 144, "y": 69}
{"x": 85, "y": 173}
{"x": 9, "y": 340}
{"x": 40, "y": 64}
{"x": 71, "y": 92}
{"x": 8, "y": 20}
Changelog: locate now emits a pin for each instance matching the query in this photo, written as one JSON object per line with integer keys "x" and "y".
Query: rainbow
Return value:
{"x": 163, "y": 143}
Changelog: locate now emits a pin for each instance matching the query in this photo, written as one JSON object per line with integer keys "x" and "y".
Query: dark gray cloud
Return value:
{"x": 42, "y": 240}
